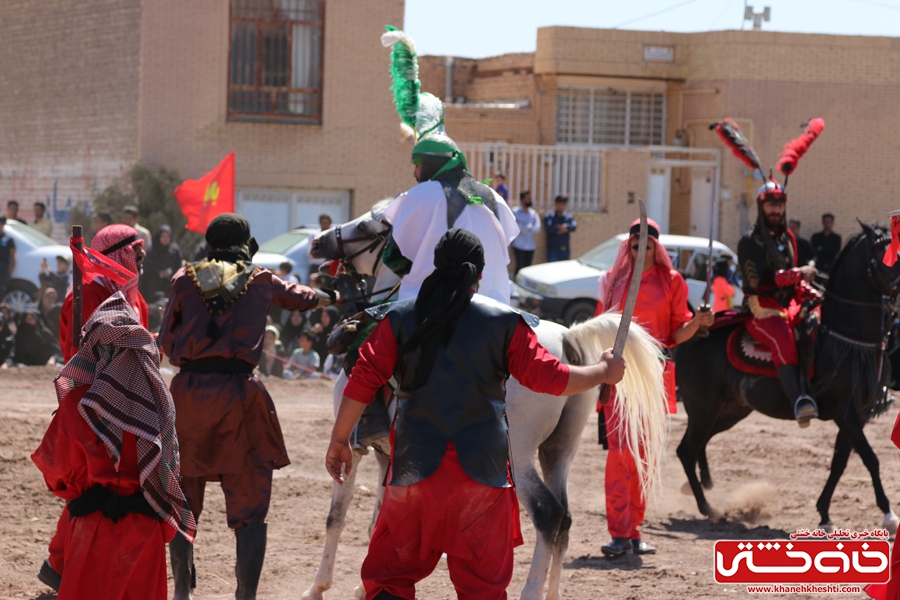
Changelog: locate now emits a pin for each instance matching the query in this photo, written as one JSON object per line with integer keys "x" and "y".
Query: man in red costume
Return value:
{"x": 662, "y": 310}
{"x": 449, "y": 483}
{"x": 213, "y": 331}
{"x": 773, "y": 291}
{"x": 111, "y": 452}
{"x": 120, "y": 244}
{"x": 123, "y": 245}
{"x": 891, "y": 589}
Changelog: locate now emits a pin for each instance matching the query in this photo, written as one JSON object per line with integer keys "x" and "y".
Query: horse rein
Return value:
{"x": 347, "y": 259}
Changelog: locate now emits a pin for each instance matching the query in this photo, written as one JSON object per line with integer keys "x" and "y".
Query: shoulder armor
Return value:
{"x": 531, "y": 319}
{"x": 380, "y": 311}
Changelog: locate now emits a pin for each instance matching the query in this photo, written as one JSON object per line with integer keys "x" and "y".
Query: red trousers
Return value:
{"x": 114, "y": 561}
{"x": 776, "y": 333}
{"x": 247, "y": 495}
{"x": 449, "y": 512}
{"x": 58, "y": 543}
{"x": 625, "y": 505}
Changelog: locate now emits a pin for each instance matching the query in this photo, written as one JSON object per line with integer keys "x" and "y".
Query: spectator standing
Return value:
{"x": 7, "y": 257}
{"x": 733, "y": 277}
{"x": 284, "y": 271}
{"x": 272, "y": 362}
{"x": 304, "y": 360}
{"x": 559, "y": 225}
{"x": 806, "y": 254}
{"x": 722, "y": 290}
{"x": 500, "y": 185}
{"x": 59, "y": 280}
{"x": 160, "y": 264}
{"x": 12, "y": 212}
{"x": 826, "y": 244}
{"x": 41, "y": 222}
{"x": 7, "y": 334}
{"x": 324, "y": 321}
{"x": 100, "y": 220}
{"x": 529, "y": 223}
{"x": 130, "y": 216}
{"x": 291, "y": 330}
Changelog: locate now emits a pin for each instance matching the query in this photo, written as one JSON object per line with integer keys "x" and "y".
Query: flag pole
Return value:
{"x": 78, "y": 242}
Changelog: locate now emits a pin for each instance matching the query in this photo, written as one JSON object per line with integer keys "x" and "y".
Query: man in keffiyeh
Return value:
{"x": 662, "y": 310}
{"x": 213, "y": 332}
{"x": 123, "y": 245}
{"x": 111, "y": 452}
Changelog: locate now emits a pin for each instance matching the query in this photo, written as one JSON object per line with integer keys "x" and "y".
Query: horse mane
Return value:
{"x": 381, "y": 204}
{"x": 641, "y": 393}
{"x": 848, "y": 247}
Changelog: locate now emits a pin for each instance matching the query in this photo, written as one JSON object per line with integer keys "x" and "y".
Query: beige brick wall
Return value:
{"x": 69, "y": 102}
{"x": 183, "y": 104}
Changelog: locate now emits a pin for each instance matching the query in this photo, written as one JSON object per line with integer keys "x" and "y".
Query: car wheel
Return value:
{"x": 578, "y": 312}
{"x": 19, "y": 295}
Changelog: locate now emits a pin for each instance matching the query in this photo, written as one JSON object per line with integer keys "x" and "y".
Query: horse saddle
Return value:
{"x": 748, "y": 355}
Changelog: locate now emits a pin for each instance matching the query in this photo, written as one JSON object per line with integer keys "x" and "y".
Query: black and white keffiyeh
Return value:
{"x": 119, "y": 360}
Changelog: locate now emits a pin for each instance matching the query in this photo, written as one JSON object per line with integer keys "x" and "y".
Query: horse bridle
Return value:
{"x": 346, "y": 260}
{"x": 876, "y": 280}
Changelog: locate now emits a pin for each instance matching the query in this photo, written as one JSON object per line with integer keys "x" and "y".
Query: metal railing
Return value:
{"x": 545, "y": 171}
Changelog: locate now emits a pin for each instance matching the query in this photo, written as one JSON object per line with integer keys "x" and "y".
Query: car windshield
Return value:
{"x": 35, "y": 237}
{"x": 603, "y": 256}
{"x": 284, "y": 242}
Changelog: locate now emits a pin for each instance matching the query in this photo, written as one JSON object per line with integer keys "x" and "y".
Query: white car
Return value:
{"x": 292, "y": 247}
{"x": 569, "y": 288}
{"x": 32, "y": 247}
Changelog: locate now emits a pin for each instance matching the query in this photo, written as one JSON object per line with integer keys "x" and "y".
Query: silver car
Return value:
{"x": 32, "y": 247}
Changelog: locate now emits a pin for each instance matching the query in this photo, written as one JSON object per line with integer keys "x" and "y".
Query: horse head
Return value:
{"x": 884, "y": 279}
{"x": 357, "y": 244}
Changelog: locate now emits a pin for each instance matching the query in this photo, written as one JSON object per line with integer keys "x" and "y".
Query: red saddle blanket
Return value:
{"x": 749, "y": 356}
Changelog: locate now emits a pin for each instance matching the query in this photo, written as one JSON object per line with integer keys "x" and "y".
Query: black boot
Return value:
{"x": 618, "y": 547}
{"x": 251, "y": 551}
{"x": 181, "y": 554}
{"x": 805, "y": 407}
{"x": 49, "y": 576}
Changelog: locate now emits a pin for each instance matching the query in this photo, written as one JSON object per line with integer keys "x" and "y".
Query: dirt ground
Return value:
{"x": 767, "y": 477}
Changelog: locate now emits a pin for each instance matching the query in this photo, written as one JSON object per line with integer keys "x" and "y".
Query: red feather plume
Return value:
{"x": 796, "y": 148}
{"x": 734, "y": 138}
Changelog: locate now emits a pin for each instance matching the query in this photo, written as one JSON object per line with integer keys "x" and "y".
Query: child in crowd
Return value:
{"x": 272, "y": 362}
{"x": 305, "y": 361}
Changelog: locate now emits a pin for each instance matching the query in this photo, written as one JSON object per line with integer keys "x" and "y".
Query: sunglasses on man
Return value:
{"x": 636, "y": 247}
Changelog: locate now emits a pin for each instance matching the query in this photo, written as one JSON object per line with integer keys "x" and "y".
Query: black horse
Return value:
{"x": 850, "y": 384}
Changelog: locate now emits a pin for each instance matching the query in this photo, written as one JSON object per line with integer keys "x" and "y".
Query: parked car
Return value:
{"x": 569, "y": 289}
{"x": 32, "y": 247}
{"x": 292, "y": 246}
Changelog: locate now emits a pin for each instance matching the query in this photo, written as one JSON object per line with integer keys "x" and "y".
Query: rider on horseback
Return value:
{"x": 767, "y": 258}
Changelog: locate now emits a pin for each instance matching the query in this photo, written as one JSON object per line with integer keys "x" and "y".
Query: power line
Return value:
{"x": 659, "y": 12}
{"x": 721, "y": 14}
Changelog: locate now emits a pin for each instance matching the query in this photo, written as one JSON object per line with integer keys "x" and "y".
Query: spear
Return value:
{"x": 78, "y": 244}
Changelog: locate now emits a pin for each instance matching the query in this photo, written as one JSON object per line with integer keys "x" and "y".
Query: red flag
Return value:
{"x": 93, "y": 264}
{"x": 201, "y": 200}
{"x": 890, "y": 256}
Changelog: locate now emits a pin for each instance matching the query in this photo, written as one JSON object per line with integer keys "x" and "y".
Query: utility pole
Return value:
{"x": 756, "y": 15}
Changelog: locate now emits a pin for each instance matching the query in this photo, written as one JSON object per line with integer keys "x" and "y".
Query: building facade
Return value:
{"x": 608, "y": 116}
{"x": 299, "y": 89}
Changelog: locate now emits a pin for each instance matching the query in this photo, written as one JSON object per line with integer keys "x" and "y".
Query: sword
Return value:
{"x": 703, "y": 332}
{"x": 628, "y": 311}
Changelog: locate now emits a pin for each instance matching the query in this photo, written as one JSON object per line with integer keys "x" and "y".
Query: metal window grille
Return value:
{"x": 275, "y": 63}
{"x": 545, "y": 171}
{"x": 609, "y": 117}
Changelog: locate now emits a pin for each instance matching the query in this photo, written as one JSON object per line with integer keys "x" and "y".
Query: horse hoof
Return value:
{"x": 359, "y": 592}
{"x": 312, "y": 594}
{"x": 891, "y": 521}
{"x": 686, "y": 489}
{"x": 827, "y": 527}
{"x": 707, "y": 485}
{"x": 715, "y": 516}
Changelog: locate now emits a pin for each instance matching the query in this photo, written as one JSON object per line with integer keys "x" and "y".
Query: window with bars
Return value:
{"x": 610, "y": 117}
{"x": 275, "y": 66}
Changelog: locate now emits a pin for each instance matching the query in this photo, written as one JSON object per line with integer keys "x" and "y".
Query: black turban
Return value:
{"x": 229, "y": 230}
{"x": 444, "y": 295}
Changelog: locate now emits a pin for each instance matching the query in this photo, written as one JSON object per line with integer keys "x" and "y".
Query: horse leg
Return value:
{"x": 556, "y": 455}
{"x": 842, "y": 449}
{"x": 705, "y": 479}
{"x": 853, "y": 429}
{"x": 341, "y": 496}
{"x": 692, "y": 445}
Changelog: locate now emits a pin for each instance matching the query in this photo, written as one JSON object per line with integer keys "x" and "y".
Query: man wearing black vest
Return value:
{"x": 449, "y": 489}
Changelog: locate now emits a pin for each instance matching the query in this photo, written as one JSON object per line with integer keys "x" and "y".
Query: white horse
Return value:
{"x": 549, "y": 426}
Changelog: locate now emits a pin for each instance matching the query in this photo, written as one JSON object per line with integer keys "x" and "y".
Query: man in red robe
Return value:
{"x": 123, "y": 245}
{"x": 227, "y": 427}
{"x": 662, "y": 310}
{"x": 449, "y": 485}
{"x": 111, "y": 452}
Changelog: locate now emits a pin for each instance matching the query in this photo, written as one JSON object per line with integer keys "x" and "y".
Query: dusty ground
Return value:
{"x": 767, "y": 476}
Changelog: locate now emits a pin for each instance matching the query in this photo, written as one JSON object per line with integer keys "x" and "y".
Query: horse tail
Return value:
{"x": 641, "y": 395}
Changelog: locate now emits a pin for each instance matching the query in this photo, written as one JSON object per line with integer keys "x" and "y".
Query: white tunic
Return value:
{"x": 419, "y": 219}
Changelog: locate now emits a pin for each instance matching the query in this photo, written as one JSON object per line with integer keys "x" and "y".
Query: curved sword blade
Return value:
{"x": 628, "y": 311}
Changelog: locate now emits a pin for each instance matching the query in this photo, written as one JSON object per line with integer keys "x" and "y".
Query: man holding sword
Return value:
{"x": 661, "y": 308}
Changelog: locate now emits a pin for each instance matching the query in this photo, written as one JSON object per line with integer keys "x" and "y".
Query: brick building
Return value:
{"x": 607, "y": 116}
{"x": 297, "y": 88}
